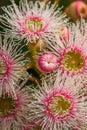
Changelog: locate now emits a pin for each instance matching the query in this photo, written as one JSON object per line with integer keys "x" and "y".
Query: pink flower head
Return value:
{"x": 14, "y": 110}
{"x": 47, "y": 62}
{"x": 11, "y": 65}
{"x": 32, "y": 20}
{"x": 59, "y": 105}
{"x": 73, "y": 60}
{"x": 72, "y": 54}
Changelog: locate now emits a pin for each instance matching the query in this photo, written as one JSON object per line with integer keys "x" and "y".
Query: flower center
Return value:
{"x": 7, "y": 104}
{"x": 2, "y": 67}
{"x": 59, "y": 105}
{"x": 34, "y": 24}
{"x": 73, "y": 60}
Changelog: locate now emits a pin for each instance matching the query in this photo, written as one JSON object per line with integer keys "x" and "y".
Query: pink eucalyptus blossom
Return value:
{"x": 11, "y": 65}
{"x": 72, "y": 53}
{"x": 59, "y": 105}
{"x": 14, "y": 110}
{"x": 32, "y": 20}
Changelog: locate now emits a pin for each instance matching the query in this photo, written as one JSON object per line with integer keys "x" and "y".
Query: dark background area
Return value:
{"x": 7, "y": 2}
{"x": 4, "y": 3}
